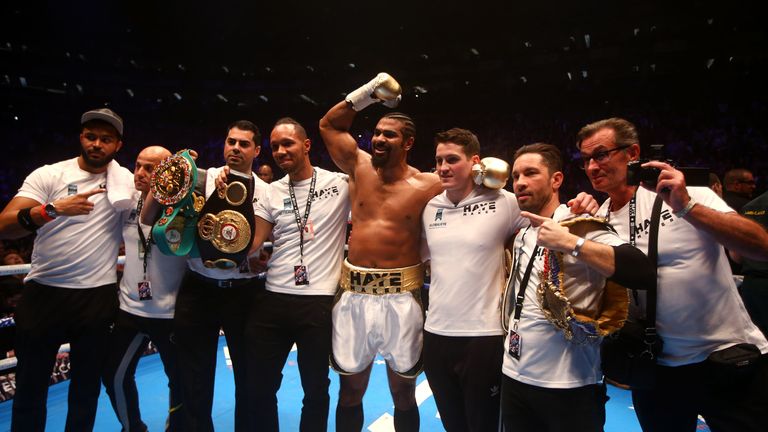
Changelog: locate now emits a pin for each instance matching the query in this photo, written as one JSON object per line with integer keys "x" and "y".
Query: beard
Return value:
{"x": 96, "y": 163}
{"x": 379, "y": 161}
{"x": 535, "y": 202}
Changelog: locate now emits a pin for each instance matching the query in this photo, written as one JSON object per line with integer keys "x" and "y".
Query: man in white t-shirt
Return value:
{"x": 211, "y": 299}
{"x": 699, "y": 311}
{"x": 552, "y": 379}
{"x": 147, "y": 300}
{"x": 306, "y": 212}
{"x": 70, "y": 294}
{"x": 463, "y": 336}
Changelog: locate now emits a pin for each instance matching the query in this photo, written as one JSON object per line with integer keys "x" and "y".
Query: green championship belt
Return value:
{"x": 225, "y": 229}
{"x": 173, "y": 183}
{"x": 579, "y": 324}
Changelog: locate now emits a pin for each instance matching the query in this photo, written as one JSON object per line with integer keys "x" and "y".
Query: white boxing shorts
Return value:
{"x": 378, "y": 312}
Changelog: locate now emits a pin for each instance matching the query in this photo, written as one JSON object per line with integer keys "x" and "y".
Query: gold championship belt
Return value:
{"x": 228, "y": 230}
{"x": 173, "y": 178}
{"x": 172, "y": 185}
{"x": 579, "y": 324}
{"x": 225, "y": 229}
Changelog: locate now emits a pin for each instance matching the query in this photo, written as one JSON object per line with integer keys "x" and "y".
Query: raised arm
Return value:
{"x": 335, "y": 124}
{"x": 737, "y": 233}
{"x": 334, "y": 129}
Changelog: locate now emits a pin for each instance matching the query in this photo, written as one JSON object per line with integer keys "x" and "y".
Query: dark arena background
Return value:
{"x": 691, "y": 75}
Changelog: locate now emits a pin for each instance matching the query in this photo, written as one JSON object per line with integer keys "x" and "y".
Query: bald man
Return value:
{"x": 147, "y": 301}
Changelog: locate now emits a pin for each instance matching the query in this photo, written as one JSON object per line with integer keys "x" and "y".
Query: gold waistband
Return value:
{"x": 381, "y": 281}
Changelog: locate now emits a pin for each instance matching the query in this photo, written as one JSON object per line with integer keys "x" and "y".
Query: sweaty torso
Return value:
{"x": 386, "y": 217}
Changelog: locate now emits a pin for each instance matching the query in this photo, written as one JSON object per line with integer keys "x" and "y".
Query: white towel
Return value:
{"x": 120, "y": 187}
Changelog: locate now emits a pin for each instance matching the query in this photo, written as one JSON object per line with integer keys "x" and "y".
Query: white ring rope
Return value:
{"x": 11, "y": 361}
{"x": 16, "y": 269}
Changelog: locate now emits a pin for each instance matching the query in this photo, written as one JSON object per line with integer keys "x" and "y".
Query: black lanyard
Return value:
{"x": 295, "y": 205}
{"x": 632, "y": 235}
{"x": 632, "y": 217}
{"x": 524, "y": 283}
{"x": 146, "y": 243}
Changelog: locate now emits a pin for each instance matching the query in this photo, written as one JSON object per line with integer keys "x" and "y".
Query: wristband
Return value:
{"x": 579, "y": 243}
{"x": 25, "y": 220}
{"x": 687, "y": 209}
{"x": 44, "y": 214}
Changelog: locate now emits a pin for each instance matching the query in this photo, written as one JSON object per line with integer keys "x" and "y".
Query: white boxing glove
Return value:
{"x": 383, "y": 89}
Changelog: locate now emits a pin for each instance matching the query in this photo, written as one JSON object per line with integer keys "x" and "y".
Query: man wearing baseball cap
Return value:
{"x": 104, "y": 115}
{"x": 70, "y": 294}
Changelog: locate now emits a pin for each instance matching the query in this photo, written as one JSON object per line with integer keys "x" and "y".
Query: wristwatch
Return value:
{"x": 579, "y": 243}
{"x": 50, "y": 210}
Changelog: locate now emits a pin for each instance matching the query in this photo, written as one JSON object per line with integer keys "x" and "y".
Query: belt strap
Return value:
{"x": 224, "y": 283}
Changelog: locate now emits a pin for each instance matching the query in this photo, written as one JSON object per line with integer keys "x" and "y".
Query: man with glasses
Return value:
{"x": 739, "y": 187}
{"x": 550, "y": 362}
{"x": 600, "y": 156}
{"x": 699, "y": 312}
{"x": 70, "y": 295}
{"x": 463, "y": 336}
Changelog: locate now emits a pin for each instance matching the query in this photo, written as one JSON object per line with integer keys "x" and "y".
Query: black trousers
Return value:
{"x": 465, "y": 376}
{"x": 279, "y": 321}
{"x": 130, "y": 338}
{"x": 728, "y": 401}
{"x": 525, "y": 407}
{"x": 202, "y": 308}
{"x": 47, "y": 317}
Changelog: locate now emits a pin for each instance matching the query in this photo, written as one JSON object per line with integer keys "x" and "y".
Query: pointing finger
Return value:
{"x": 92, "y": 192}
{"x": 535, "y": 219}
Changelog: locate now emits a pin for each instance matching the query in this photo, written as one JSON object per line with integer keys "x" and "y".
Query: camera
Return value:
{"x": 636, "y": 174}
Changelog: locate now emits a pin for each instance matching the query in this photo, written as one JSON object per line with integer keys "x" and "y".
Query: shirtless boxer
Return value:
{"x": 378, "y": 310}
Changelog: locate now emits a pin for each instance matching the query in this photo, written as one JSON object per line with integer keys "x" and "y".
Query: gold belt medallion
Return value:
{"x": 235, "y": 193}
{"x": 227, "y": 230}
{"x": 172, "y": 180}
